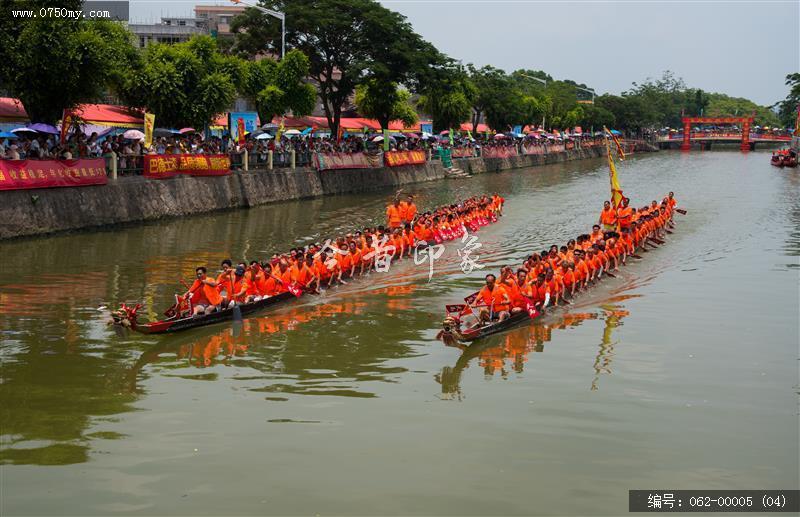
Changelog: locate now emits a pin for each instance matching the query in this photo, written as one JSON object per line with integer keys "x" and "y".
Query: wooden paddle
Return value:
{"x": 635, "y": 256}
{"x": 680, "y": 211}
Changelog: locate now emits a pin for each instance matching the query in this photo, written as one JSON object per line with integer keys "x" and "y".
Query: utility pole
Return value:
{"x": 541, "y": 81}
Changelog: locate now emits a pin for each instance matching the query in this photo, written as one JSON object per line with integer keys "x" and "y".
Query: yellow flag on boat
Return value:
{"x": 616, "y": 190}
{"x": 149, "y": 125}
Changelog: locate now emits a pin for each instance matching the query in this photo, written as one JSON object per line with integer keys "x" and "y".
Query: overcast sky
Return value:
{"x": 744, "y": 49}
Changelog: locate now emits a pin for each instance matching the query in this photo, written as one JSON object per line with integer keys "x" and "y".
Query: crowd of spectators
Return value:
{"x": 129, "y": 152}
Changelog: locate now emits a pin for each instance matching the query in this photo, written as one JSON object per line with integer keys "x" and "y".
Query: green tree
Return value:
{"x": 490, "y": 85}
{"x": 448, "y": 96}
{"x": 278, "y": 87}
{"x": 596, "y": 116}
{"x": 184, "y": 84}
{"x": 721, "y": 105}
{"x": 52, "y": 64}
{"x": 631, "y": 112}
{"x": 346, "y": 41}
{"x": 787, "y": 109}
{"x": 385, "y": 102}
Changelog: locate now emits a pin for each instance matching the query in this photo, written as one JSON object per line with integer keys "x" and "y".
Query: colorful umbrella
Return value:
{"x": 186, "y": 130}
{"x": 133, "y": 134}
{"x": 44, "y": 128}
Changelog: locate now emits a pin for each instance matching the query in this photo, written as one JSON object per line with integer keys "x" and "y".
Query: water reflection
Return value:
{"x": 509, "y": 352}
{"x": 326, "y": 359}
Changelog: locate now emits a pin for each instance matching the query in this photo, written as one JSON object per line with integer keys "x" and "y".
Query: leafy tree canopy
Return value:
{"x": 279, "y": 87}
{"x": 787, "y": 109}
{"x": 185, "y": 84}
{"x": 52, "y": 64}
{"x": 448, "y": 96}
{"x": 347, "y": 42}
{"x": 385, "y": 102}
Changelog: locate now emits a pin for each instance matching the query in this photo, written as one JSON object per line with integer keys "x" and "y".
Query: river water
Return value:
{"x": 682, "y": 373}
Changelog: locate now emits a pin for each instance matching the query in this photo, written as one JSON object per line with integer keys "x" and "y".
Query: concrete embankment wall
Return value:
{"x": 134, "y": 199}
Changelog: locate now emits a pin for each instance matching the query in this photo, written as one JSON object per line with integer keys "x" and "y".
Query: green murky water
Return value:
{"x": 681, "y": 373}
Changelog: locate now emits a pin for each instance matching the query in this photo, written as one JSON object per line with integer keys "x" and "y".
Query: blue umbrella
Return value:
{"x": 615, "y": 132}
{"x": 6, "y": 134}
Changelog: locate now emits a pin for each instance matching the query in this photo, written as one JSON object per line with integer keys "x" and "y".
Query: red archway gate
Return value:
{"x": 744, "y": 122}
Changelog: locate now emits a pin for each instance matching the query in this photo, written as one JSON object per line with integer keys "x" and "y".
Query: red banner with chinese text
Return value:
{"x": 533, "y": 149}
{"x": 398, "y": 158}
{"x": 499, "y": 152}
{"x": 28, "y": 174}
{"x": 358, "y": 160}
{"x": 463, "y": 152}
{"x": 161, "y": 166}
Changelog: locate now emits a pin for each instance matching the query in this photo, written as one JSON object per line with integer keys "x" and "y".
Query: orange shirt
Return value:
{"x": 540, "y": 291}
{"x": 321, "y": 269}
{"x": 608, "y": 217}
{"x": 204, "y": 294}
{"x": 411, "y": 211}
{"x": 240, "y": 287}
{"x": 224, "y": 282}
{"x": 344, "y": 263}
{"x": 301, "y": 275}
{"x": 253, "y": 282}
{"x": 624, "y": 216}
{"x": 269, "y": 287}
{"x": 286, "y": 277}
{"x": 394, "y": 216}
{"x": 496, "y": 295}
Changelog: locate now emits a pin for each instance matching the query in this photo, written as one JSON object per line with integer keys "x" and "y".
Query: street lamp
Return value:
{"x": 541, "y": 81}
{"x": 277, "y": 14}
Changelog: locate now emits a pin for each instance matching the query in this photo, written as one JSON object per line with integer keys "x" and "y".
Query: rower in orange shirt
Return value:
{"x": 255, "y": 278}
{"x": 608, "y": 217}
{"x": 284, "y": 275}
{"x": 356, "y": 257}
{"x": 410, "y": 210}
{"x": 269, "y": 285}
{"x": 522, "y": 294}
{"x": 301, "y": 273}
{"x": 321, "y": 270}
{"x": 240, "y": 286}
{"x": 204, "y": 295}
{"x": 541, "y": 291}
{"x": 567, "y": 278}
{"x": 596, "y": 235}
{"x": 495, "y": 301}
{"x": 624, "y": 214}
{"x": 344, "y": 264}
{"x": 554, "y": 285}
{"x": 225, "y": 281}
{"x": 394, "y": 214}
